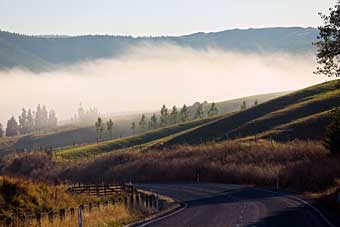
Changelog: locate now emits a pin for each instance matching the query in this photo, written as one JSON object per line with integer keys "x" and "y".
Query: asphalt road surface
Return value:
{"x": 235, "y": 206}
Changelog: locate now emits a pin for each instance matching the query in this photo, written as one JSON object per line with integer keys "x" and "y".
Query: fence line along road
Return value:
{"x": 123, "y": 194}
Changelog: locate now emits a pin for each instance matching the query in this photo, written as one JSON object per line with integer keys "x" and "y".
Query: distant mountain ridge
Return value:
{"x": 42, "y": 53}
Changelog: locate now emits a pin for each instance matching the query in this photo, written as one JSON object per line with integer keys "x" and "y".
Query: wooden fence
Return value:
{"x": 123, "y": 194}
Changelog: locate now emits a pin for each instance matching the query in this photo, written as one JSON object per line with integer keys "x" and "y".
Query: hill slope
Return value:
{"x": 43, "y": 53}
{"x": 85, "y": 134}
{"x": 299, "y": 115}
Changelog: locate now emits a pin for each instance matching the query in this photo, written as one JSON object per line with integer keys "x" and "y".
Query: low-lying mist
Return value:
{"x": 149, "y": 76}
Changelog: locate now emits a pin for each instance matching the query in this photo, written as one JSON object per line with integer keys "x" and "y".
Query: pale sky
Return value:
{"x": 154, "y": 17}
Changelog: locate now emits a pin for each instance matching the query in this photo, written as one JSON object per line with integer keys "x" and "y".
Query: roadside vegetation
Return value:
{"x": 300, "y": 165}
{"x": 18, "y": 196}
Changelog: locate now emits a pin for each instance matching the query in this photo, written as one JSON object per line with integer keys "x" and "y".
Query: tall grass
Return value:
{"x": 111, "y": 215}
{"x": 300, "y": 165}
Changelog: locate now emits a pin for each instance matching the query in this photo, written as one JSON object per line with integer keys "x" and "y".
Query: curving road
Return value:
{"x": 234, "y": 206}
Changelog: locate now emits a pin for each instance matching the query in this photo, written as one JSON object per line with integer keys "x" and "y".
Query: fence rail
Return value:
{"x": 122, "y": 194}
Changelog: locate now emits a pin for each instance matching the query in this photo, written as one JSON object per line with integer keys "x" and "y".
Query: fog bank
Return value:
{"x": 149, "y": 76}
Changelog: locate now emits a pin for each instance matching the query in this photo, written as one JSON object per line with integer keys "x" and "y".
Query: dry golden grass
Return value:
{"x": 301, "y": 166}
{"x": 111, "y": 215}
{"x": 27, "y": 197}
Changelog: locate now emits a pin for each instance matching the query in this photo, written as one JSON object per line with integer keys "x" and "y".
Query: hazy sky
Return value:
{"x": 154, "y": 17}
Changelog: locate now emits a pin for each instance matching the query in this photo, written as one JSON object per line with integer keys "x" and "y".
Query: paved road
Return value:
{"x": 234, "y": 206}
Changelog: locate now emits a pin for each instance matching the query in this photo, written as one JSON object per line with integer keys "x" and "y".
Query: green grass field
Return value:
{"x": 144, "y": 140}
{"x": 299, "y": 115}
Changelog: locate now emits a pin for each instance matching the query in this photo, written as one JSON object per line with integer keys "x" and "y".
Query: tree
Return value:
{"x": 153, "y": 122}
{"x": 199, "y": 112}
{"x": 184, "y": 114}
{"x": 256, "y": 102}
{"x": 1, "y": 131}
{"x": 23, "y": 122}
{"x": 30, "y": 121}
{"x": 328, "y": 44}
{"x": 164, "y": 118}
{"x": 243, "y": 105}
{"x": 328, "y": 58}
{"x": 44, "y": 117}
{"x": 52, "y": 119}
{"x": 332, "y": 135}
{"x": 38, "y": 118}
{"x": 99, "y": 128}
{"x": 174, "y": 115}
{"x": 109, "y": 127}
{"x": 133, "y": 127}
{"x": 12, "y": 127}
{"x": 143, "y": 123}
{"x": 213, "y": 110}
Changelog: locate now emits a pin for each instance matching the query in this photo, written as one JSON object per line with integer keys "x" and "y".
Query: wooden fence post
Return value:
{"x": 72, "y": 212}
{"x": 38, "y": 217}
{"x": 125, "y": 201}
{"x": 80, "y": 216}
{"x": 50, "y": 216}
{"x": 137, "y": 198}
{"x": 146, "y": 200}
{"x": 62, "y": 214}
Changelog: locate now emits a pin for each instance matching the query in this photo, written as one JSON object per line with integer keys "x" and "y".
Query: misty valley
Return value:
{"x": 189, "y": 126}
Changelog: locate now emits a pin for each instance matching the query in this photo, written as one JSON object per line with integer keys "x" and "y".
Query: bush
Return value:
{"x": 332, "y": 136}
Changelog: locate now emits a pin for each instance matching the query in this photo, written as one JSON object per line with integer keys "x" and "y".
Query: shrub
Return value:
{"x": 332, "y": 136}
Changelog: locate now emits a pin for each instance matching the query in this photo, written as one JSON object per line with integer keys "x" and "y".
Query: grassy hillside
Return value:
{"x": 70, "y": 135}
{"x": 284, "y": 118}
{"x": 144, "y": 139}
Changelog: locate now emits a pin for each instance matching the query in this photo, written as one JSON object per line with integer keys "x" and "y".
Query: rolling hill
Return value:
{"x": 299, "y": 115}
{"x": 43, "y": 53}
{"x": 70, "y": 135}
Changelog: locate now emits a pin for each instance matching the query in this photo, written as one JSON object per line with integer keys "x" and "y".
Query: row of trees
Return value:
{"x": 88, "y": 115}
{"x": 30, "y": 121}
{"x": 243, "y": 105}
{"x": 101, "y": 126}
{"x": 173, "y": 116}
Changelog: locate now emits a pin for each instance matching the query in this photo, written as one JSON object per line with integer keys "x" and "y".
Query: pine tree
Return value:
{"x": 184, "y": 114}
{"x": 164, "y": 118}
{"x": 38, "y": 118}
{"x": 23, "y": 122}
{"x": 30, "y": 121}
{"x": 52, "y": 119}
{"x": 243, "y": 105}
{"x": 332, "y": 135}
{"x": 109, "y": 127}
{"x": 153, "y": 121}
{"x": 44, "y": 117}
{"x": 213, "y": 110}
{"x": 133, "y": 127}
{"x": 174, "y": 115}
{"x": 12, "y": 127}
{"x": 1, "y": 131}
{"x": 199, "y": 112}
{"x": 142, "y": 123}
{"x": 99, "y": 128}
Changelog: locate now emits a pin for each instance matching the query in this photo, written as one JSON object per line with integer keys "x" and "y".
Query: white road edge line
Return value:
{"x": 325, "y": 219}
{"x": 166, "y": 216}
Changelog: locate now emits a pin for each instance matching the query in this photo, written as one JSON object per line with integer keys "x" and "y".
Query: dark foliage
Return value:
{"x": 328, "y": 44}
{"x": 332, "y": 137}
